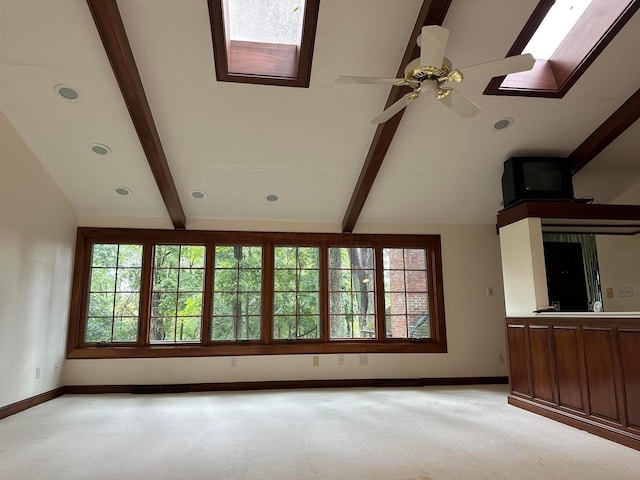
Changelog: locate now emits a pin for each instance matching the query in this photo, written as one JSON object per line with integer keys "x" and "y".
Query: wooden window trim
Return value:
{"x": 553, "y": 78}
{"x": 86, "y": 237}
{"x": 262, "y": 55}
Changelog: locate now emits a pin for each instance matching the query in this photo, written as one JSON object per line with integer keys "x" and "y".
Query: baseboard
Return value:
{"x": 17, "y": 407}
{"x": 617, "y": 435}
{"x": 285, "y": 384}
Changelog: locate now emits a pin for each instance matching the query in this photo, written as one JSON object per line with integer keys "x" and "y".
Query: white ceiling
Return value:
{"x": 240, "y": 142}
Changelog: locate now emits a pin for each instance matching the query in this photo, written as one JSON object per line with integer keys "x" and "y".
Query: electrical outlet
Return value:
{"x": 37, "y": 372}
{"x": 625, "y": 291}
{"x": 609, "y": 292}
{"x": 363, "y": 360}
{"x": 56, "y": 367}
{"x": 340, "y": 359}
{"x": 489, "y": 291}
{"x": 500, "y": 358}
{"x": 316, "y": 361}
{"x": 233, "y": 362}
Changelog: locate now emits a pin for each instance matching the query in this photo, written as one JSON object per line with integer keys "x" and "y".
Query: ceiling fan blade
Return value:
{"x": 497, "y": 68}
{"x": 433, "y": 42}
{"x": 460, "y": 104}
{"x": 348, "y": 79}
{"x": 395, "y": 108}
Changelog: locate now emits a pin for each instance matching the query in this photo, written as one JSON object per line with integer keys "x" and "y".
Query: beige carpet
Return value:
{"x": 432, "y": 433}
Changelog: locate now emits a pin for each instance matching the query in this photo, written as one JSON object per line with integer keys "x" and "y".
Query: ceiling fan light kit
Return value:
{"x": 433, "y": 70}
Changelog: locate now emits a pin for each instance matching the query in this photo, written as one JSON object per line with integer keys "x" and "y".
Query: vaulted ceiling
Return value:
{"x": 241, "y": 142}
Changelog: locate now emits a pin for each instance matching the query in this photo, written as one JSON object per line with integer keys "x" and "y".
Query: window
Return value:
{"x": 351, "y": 293}
{"x": 296, "y": 297}
{"x": 176, "y": 298}
{"x": 263, "y": 41}
{"x": 237, "y": 293}
{"x": 114, "y": 293}
{"x": 565, "y": 37}
{"x": 406, "y": 300}
{"x": 153, "y": 293}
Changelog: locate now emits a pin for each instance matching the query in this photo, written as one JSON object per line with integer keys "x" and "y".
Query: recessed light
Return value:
{"x": 67, "y": 92}
{"x": 198, "y": 194}
{"x": 271, "y": 198}
{"x": 124, "y": 191}
{"x": 503, "y": 123}
{"x": 100, "y": 149}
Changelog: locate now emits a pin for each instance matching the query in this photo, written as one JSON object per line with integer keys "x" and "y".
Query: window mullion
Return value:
{"x": 324, "y": 293}
{"x": 207, "y": 300}
{"x": 266, "y": 316}
{"x": 381, "y": 332}
{"x": 144, "y": 323}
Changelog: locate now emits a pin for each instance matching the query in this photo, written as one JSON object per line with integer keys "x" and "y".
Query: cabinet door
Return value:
{"x": 630, "y": 360}
{"x": 598, "y": 355}
{"x": 518, "y": 370}
{"x": 568, "y": 367}
{"x": 541, "y": 362}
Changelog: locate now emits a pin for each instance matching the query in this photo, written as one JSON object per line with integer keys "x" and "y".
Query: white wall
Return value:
{"x": 524, "y": 273}
{"x": 475, "y": 331}
{"x": 618, "y": 262}
{"x": 37, "y": 241}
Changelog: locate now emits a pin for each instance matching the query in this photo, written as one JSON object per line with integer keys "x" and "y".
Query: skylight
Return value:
{"x": 266, "y": 21}
{"x": 560, "y": 19}
{"x": 565, "y": 37}
{"x": 264, "y": 41}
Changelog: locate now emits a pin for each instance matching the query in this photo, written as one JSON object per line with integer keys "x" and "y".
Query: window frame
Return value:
{"x": 304, "y": 54}
{"x": 553, "y": 78}
{"x": 266, "y": 345}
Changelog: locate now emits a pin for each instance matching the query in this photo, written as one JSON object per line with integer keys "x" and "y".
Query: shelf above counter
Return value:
{"x": 576, "y": 217}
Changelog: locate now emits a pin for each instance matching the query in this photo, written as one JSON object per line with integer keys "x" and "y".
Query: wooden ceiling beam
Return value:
{"x": 116, "y": 44}
{"x": 605, "y": 134}
{"x": 431, "y": 13}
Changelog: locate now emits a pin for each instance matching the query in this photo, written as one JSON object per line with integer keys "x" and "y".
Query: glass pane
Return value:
{"x": 125, "y": 329}
{"x": 192, "y": 256}
{"x": 224, "y": 257}
{"x": 364, "y": 326}
{"x": 249, "y": 328}
{"x": 98, "y": 330}
{"x": 103, "y": 279}
{"x": 225, "y": 280}
{"x": 309, "y": 326}
{"x": 162, "y": 329}
{"x": 128, "y": 280}
{"x": 339, "y": 280}
{"x": 393, "y": 258}
{"x": 127, "y": 305}
{"x": 163, "y": 304}
{"x": 341, "y": 326}
{"x": 222, "y": 328}
{"x": 224, "y": 303}
{"x": 165, "y": 280}
{"x": 191, "y": 280}
{"x": 419, "y": 326}
{"x": 363, "y": 302}
{"x": 416, "y": 281}
{"x": 284, "y": 303}
{"x": 308, "y": 303}
{"x": 130, "y": 256}
{"x": 101, "y": 305}
{"x": 189, "y": 304}
{"x": 167, "y": 256}
{"x": 250, "y": 303}
{"x": 395, "y": 303}
{"x": 266, "y": 21}
{"x": 284, "y": 280}
{"x": 284, "y": 327}
{"x": 415, "y": 259}
{"x": 309, "y": 257}
{"x": 188, "y": 329}
{"x": 363, "y": 280}
{"x": 285, "y": 257}
{"x": 340, "y": 303}
{"x": 250, "y": 280}
{"x": 251, "y": 257}
{"x": 105, "y": 255}
{"x": 394, "y": 281}
{"x": 361, "y": 257}
{"x": 396, "y": 326}
{"x": 309, "y": 280}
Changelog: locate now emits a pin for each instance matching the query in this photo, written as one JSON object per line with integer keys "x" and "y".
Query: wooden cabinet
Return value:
{"x": 578, "y": 370}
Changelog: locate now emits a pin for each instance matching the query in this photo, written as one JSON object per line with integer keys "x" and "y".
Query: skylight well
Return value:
{"x": 264, "y": 41}
{"x": 565, "y": 37}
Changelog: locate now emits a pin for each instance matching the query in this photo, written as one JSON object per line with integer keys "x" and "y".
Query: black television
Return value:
{"x": 536, "y": 178}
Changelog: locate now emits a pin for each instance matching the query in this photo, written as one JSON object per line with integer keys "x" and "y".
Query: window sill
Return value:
{"x": 164, "y": 351}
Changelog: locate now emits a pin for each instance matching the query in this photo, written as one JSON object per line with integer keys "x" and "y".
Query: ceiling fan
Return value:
{"x": 432, "y": 71}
